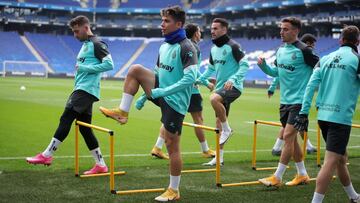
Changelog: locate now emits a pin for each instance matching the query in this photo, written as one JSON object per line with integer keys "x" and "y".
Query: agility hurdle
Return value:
{"x": 125, "y": 192}
{"x": 217, "y": 138}
{"x": 253, "y": 163}
{"x": 101, "y": 129}
{"x": 318, "y": 156}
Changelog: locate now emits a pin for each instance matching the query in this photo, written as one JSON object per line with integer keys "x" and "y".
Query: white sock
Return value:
{"x": 317, "y": 198}
{"x": 52, "y": 147}
{"x": 204, "y": 146}
{"x": 309, "y": 145}
{"x": 301, "y": 170}
{"x": 126, "y": 101}
{"x": 98, "y": 156}
{"x": 221, "y": 155}
{"x": 280, "y": 170}
{"x": 350, "y": 191}
{"x": 225, "y": 126}
{"x": 160, "y": 142}
{"x": 278, "y": 144}
{"x": 174, "y": 182}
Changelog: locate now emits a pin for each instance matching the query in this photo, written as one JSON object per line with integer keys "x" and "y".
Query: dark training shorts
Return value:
{"x": 335, "y": 135}
{"x": 229, "y": 96}
{"x": 288, "y": 112}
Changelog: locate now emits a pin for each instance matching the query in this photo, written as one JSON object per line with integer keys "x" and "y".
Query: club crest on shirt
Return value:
{"x": 224, "y": 52}
{"x": 173, "y": 56}
{"x": 190, "y": 54}
{"x": 337, "y": 59}
{"x": 293, "y": 57}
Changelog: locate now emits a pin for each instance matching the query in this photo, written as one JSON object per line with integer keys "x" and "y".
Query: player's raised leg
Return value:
{"x": 136, "y": 77}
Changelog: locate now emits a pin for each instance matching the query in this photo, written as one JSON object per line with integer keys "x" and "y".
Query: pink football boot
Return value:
{"x": 40, "y": 159}
{"x": 97, "y": 169}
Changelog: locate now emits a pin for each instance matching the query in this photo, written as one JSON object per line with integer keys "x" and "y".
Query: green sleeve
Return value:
{"x": 312, "y": 85}
{"x": 106, "y": 65}
{"x": 240, "y": 74}
{"x": 273, "y": 85}
{"x": 187, "y": 80}
{"x": 203, "y": 79}
{"x": 272, "y": 71}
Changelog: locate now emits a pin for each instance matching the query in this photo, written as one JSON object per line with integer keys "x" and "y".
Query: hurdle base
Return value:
{"x": 199, "y": 170}
{"x": 126, "y": 192}
{"x": 101, "y": 174}
{"x": 267, "y": 168}
{"x": 240, "y": 184}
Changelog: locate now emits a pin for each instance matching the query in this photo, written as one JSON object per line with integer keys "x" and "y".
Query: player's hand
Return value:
{"x": 212, "y": 80}
{"x": 228, "y": 85}
{"x": 140, "y": 102}
{"x": 210, "y": 86}
{"x": 270, "y": 94}
{"x": 261, "y": 61}
{"x": 156, "y": 93}
{"x": 301, "y": 122}
{"x": 76, "y": 67}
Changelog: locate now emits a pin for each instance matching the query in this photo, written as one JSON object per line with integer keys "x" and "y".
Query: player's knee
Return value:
{"x": 214, "y": 99}
{"x": 135, "y": 69}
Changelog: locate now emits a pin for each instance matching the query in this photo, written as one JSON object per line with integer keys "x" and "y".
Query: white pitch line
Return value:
{"x": 144, "y": 155}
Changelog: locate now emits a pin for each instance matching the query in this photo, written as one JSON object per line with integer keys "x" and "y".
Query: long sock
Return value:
{"x": 280, "y": 170}
{"x": 301, "y": 170}
{"x": 204, "y": 146}
{"x": 278, "y": 144}
{"x": 221, "y": 155}
{"x": 126, "y": 101}
{"x": 174, "y": 182}
{"x": 160, "y": 142}
{"x": 52, "y": 147}
{"x": 350, "y": 191}
{"x": 309, "y": 145}
{"x": 317, "y": 198}
{"x": 98, "y": 156}
{"x": 225, "y": 126}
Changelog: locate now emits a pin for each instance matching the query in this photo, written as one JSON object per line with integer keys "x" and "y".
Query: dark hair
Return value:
{"x": 223, "y": 22}
{"x": 350, "y": 34}
{"x": 295, "y": 22}
{"x": 191, "y": 29}
{"x": 79, "y": 21}
{"x": 176, "y": 12}
{"x": 308, "y": 38}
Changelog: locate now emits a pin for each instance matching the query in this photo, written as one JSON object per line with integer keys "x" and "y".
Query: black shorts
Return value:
{"x": 81, "y": 102}
{"x": 228, "y": 97}
{"x": 171, "y": 119}
{"x": 335, "y": 135}
{"x": 288, "y": 112}
{"x": 195, "y": 103}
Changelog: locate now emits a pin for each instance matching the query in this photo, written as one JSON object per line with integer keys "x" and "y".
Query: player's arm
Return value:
{"x": 310, "y": 58}
{"x": 272, "y": 87}
{"x": 102, "y": 53}
{"x": 301, "y": 121}
{"x": 268, "y": 70}
{"x": 239, "y": 76}
{"x": 204, "y": 78}
{"x": 189, "y": 60}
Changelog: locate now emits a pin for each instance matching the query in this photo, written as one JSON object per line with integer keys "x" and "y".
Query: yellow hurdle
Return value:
{"x": 253, "y": 163}
{"x": 217, "y": 138}
{"x": 101, "y": 129}
{"x": 318, "y": 156}
{"x": 134, "y": 191}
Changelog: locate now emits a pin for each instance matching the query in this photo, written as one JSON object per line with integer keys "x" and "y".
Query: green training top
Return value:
{"x": 176, "y": 69}
{"x": 293, "y": 65}
{"x": 339, "y": 76}
{"x": 227, "y": 62}
{"x": 93, "y": 59}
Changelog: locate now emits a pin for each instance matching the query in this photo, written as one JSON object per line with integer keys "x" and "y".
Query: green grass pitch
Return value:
{"x": 29, "y": 118}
